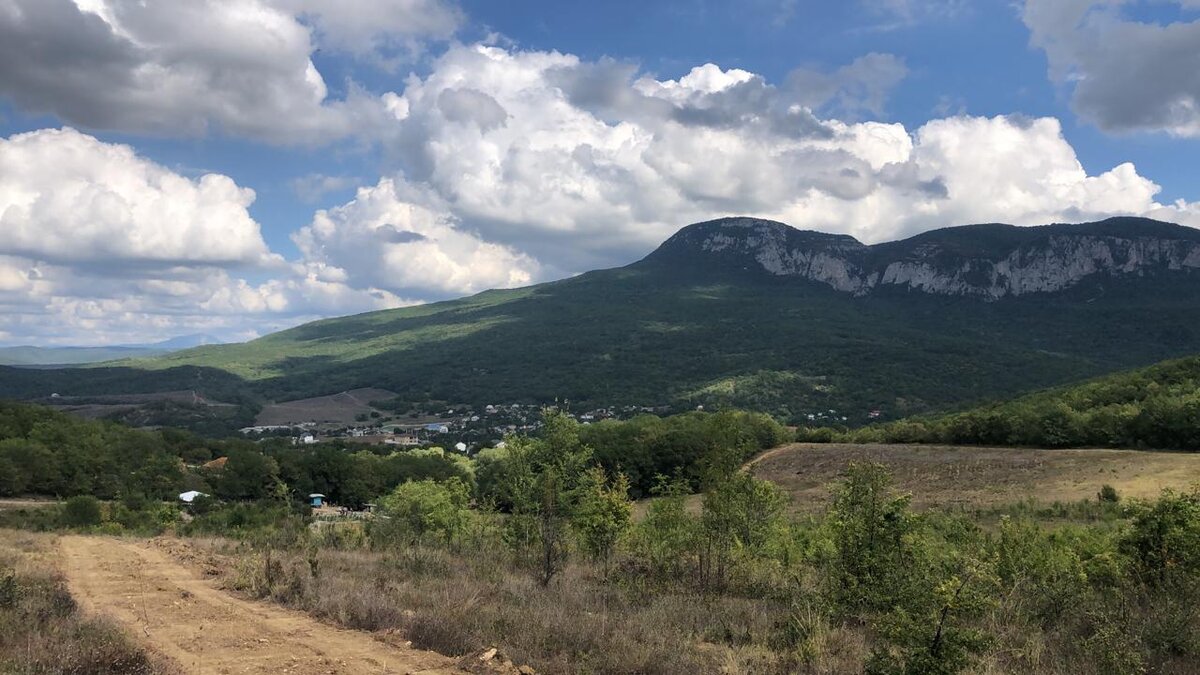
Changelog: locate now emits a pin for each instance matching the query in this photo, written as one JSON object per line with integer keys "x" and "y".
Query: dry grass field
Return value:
{"x": 974, "y": 477}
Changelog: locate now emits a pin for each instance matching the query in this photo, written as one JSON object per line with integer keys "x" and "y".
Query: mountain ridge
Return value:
{"x": 687, "y": 326}
{"x": 1022, "y": 260}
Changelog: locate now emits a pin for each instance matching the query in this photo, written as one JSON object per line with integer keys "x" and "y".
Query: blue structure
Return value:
{"x": 316, "y": 500}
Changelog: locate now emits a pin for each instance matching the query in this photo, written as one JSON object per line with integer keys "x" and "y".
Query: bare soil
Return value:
{"x": 179, "y": 613}
{"x": 27, "y": 503}
{"x": 974, "y": 477}
{"x": 336, "y": 408}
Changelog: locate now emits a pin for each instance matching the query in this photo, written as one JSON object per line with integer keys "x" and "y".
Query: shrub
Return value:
{"x": 1108, "y": 494}
{"x": 82, "y": 511}
{"x": 870, "y": 528}
{"x": 1165, "y": 537}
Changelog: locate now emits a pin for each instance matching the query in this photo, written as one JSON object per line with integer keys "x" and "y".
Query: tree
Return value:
{"x": 540, "y": 482}
{"x": 927, "y": 635}
{"x": 427, "y": 508}
{"x": 602, "y": 514}
{"x": 666, "y": 536}
{"x": 869, "y": 527}
{"x": 741, "y": 513}
{"x": 248, "y": 474}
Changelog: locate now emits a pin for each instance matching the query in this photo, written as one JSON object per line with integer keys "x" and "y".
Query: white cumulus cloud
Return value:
{"x": 100, "y": 245}
{"x": 66, "y": 196}
{"x": 388, "y": 237}
{"x": 1124, "y": 74}
{"x": 189, "y": 67}
{"x": 585, "y": 164}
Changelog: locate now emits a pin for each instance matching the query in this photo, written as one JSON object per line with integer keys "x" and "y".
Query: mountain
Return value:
{"x": 181, "y": 342}
{"x": 986, "y": 261}
{"x": 743, "y": 312}
{"x": 26, "y": 355}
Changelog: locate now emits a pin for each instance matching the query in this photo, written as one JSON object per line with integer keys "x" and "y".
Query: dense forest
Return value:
{"x": 1155, "y": 407}
{"x": 45, "y": 452}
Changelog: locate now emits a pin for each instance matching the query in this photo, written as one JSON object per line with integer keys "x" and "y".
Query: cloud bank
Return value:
{"x": 501, "y": 166}
{"x": 1124, "y": 74}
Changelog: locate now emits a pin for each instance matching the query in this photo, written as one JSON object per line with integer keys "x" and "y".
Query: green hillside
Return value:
{"x": 1155, "y": 407}
{"x": 687, "y": 327}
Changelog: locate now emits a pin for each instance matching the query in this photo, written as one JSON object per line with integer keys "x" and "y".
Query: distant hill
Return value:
{"x": 27, "y": 355}
{"x": 743, "y": 312}
{"x": 1154, "y": 407}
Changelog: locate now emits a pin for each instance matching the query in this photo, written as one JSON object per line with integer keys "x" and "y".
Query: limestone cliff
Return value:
{"x": 987, "y": 261}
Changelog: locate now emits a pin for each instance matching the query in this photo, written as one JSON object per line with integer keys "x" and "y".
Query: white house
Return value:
{"x": 460, "y": 446}
{"x": 190, "y": 496}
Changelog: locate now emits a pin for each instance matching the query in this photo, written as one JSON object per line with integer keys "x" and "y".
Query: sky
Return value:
{"x": 234, "y": 167}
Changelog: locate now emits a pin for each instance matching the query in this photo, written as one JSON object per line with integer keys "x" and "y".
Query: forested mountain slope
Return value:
{"x": 744, "y": 312}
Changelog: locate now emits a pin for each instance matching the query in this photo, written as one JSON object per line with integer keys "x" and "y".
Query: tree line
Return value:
{"x": 1155, "y": 407}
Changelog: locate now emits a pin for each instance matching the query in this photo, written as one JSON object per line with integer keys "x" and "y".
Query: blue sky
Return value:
{"x": 236, "y": 167}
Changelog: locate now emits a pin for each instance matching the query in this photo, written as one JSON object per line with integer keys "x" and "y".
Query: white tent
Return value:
{"x": 190, "y": 496}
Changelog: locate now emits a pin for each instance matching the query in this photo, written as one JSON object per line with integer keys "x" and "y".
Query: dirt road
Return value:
{"x": 177, "y": 613}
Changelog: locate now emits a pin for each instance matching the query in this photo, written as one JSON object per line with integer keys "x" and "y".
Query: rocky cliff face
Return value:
{"x": 986, "y": 261}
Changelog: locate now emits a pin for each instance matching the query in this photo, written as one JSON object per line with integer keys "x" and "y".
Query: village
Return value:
{"x": 464, "y": 429}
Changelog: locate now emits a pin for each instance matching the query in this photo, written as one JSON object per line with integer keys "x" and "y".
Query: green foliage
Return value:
{"x": 1155, "y": 407}
{"x": 1164, "y": 540}
{"x": 248, "y": 475}
{"x": 927, "y": 635}
{"x": 648, "y": 446}
{"x": 542, "y": 484}
{"x": 872, "y": 531}
{"x": 602, "y": 513}
{"x": 700, "y": 334}
{"x": 663, "y": 541}
{"x": 43, "y": 452}
{"x": 426, "y": 508}
{"x": 741, "y": 516}
{"x": 1108, "y": 494}
{"x": 264, "y": 521}
{"x": 82, "y": 511}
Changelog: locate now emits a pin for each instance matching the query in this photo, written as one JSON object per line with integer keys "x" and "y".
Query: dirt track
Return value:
{"x": 175, "y": 612}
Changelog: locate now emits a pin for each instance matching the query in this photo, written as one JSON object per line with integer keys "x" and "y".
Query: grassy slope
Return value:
{"x": 640, "y": 335}
{"x": 632, "y": 336}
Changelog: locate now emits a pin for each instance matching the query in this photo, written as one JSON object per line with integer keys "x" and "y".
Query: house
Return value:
{"x": 460, "y": 446}
{"x": 316, "y": 500}
{"x": 404, "y": 441}
{"x": 437, "y": 428}
{"x": 308, "y": 439}
{"x": 190, "y": 496}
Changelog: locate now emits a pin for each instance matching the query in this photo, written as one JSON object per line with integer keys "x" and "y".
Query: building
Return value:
{"x": 403, "y": 440}
{"x": 316, "y": 500}
{"x": 190, "y": 496}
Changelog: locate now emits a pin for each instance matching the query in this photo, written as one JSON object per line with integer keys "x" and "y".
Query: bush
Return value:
{"x": 1108, "y": 494}
{"x": 422, "y": 509}
{"x": 82, "y": 511}
{"x": 1165, "y": 537}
